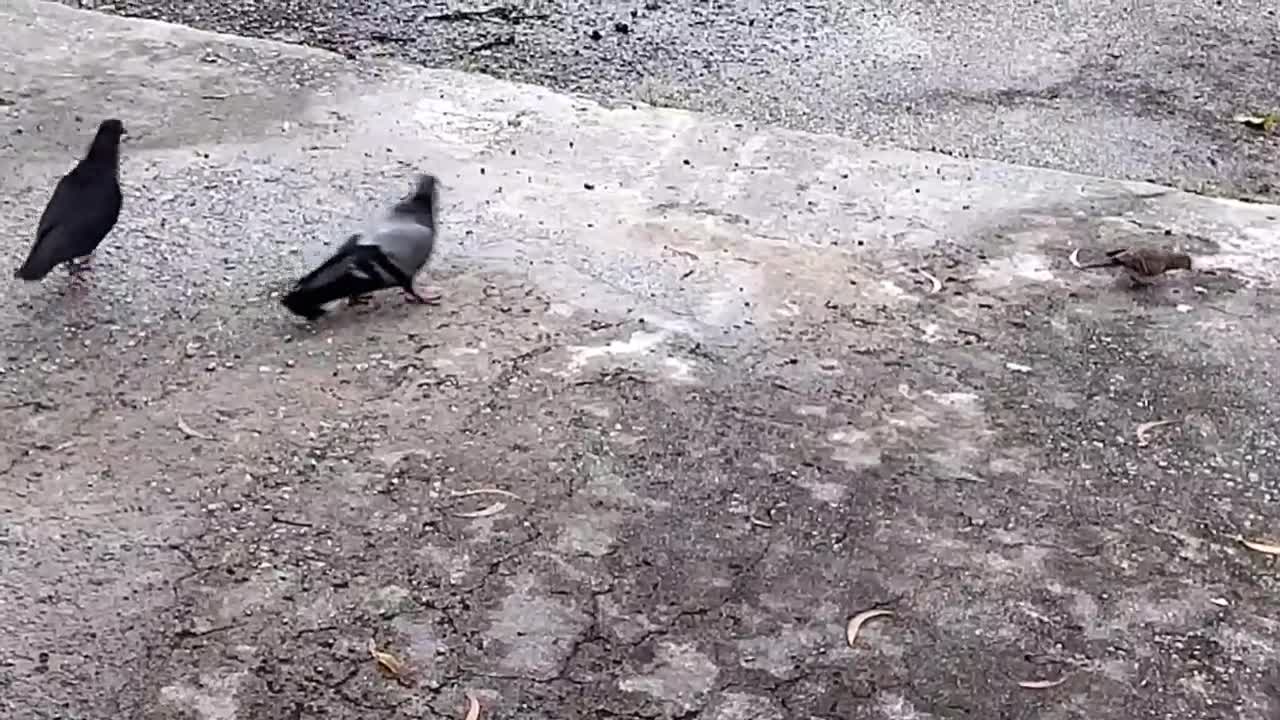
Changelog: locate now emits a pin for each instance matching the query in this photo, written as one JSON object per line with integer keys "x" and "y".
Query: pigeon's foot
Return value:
{"x": 428, "y": 296}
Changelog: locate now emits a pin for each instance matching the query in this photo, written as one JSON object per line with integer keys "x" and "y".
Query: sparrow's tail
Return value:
{"x": 1104, "y": 264}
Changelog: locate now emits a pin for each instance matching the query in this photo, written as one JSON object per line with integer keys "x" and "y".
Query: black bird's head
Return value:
{"x": 111, "y": 129}
{"x": 106, "y": 143}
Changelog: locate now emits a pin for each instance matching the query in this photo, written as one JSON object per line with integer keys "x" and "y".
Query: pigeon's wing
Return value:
{"x": 81, "y": 212}
{"x": 406, "y": 245}
{"x": 352, "y": 270}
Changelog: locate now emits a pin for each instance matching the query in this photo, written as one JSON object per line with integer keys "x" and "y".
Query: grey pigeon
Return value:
{"x": 1144, "y": 265}
{"x": 387, "y": 254}
{"x": 84, "y": 208}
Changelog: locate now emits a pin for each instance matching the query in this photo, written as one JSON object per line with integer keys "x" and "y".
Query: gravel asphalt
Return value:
{"x": 1143, "y": 91}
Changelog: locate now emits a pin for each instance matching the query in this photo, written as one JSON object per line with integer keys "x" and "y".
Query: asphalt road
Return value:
{"x": 1142, "y": 91}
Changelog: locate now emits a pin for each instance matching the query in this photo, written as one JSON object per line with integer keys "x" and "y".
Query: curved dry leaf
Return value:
{"x": 493, "y": 509}
{"x": 486, "y": 491}
{"x": 758, "y": 522}
{"x": 473, "y": 707}
{"x": 190, "y": 431}
{"x": 1146, "y": 427}
{"x": 857, "y": 621}
{"x": 935, "y": 282}
{"x": 1041, "y": 684}
{"x": 1261, "y": 547}
{"x": 386, "y": 660}
{"x": 1075, "y": 259}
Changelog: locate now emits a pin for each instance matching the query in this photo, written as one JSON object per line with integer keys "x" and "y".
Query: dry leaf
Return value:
{"x": 486, "y": 491}
{"x": 758, "y": 522}
{"x": 190, "y": 431}
{"x": 386, "y": 661}
{"x": 1041, "y": 684}
{"x": 1075, "y": 259}
{"x": 935, "y": 282}
{"x": 1265, "y": 123}
{"x": 493, "y": 509}
{"x": 1261, "y": 547}
{"x": 856, "y": 622}
{"x": 473, "y": 707}
{"x": 1146, "y": 427}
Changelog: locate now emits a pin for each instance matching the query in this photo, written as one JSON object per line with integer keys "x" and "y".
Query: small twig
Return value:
{"x": 292, "y": 523}
{"x": 190, "y": 431}
{"x": 500, "y": 12}
{"x": 504, "y": 41}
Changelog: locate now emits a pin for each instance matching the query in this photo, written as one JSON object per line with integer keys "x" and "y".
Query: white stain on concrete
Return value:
{"x": 682, "y": 675}
{"x": 855, "y": 448}
{"x": 213, "y": 699}
{"x": 640, "y": 343}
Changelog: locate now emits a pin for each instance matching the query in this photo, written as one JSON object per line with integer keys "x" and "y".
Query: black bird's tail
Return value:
{"x": 44, "y": 256}
{"x": 351, "y": 271}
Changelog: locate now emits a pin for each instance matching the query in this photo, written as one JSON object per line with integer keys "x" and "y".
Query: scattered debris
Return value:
{"x": 856, "y": 622}
{"x": 935, "y": 282}
{"x": 493, "y": 509}
{"x": 1040, "y": 684}
{"x": 758, "y": 522}
{"x": 1220, "y": 602}
{"x": 1262, "y": 547}
{"x": 473, "y": 708}
{"x": 1146, "y": 427}
{"x": 1263, "y": 123}
{"x": 1018, "y": 367}
{"x": 1075, "y": 259}
{"x": 190, "y": 431}
{"x": 388, "y": 662}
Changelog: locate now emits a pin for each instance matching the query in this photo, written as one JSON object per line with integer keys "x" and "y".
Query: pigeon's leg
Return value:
{"x": 405, "y": 282}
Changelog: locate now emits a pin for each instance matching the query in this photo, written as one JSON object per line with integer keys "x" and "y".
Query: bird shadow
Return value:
{"x": 380, "y": 312}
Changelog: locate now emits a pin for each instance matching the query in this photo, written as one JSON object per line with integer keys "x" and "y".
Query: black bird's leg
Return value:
{"x": 78, "y": 266}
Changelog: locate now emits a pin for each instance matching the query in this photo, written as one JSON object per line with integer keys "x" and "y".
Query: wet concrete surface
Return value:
{"x": 707, "y": 367}
{"x": 1142, "y": 91}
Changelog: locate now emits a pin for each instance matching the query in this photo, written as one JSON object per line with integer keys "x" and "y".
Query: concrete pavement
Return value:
{"x": 703, "y": 363}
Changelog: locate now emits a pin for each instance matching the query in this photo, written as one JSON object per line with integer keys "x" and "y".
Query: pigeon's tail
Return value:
{"x": 352, "y": 271}
{"x": 422, "y": 202}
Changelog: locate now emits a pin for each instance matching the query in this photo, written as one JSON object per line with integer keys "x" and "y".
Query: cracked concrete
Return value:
{"x": 729, "y": 409}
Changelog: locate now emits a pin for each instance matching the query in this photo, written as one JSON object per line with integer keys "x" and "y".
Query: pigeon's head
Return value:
{"x": 420, "y": 202}
{"x": 424, "y": 189}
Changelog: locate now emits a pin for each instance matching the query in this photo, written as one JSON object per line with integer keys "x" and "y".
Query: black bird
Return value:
{"x": 387, "y": 254}
{"x": 84, "y": 208}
